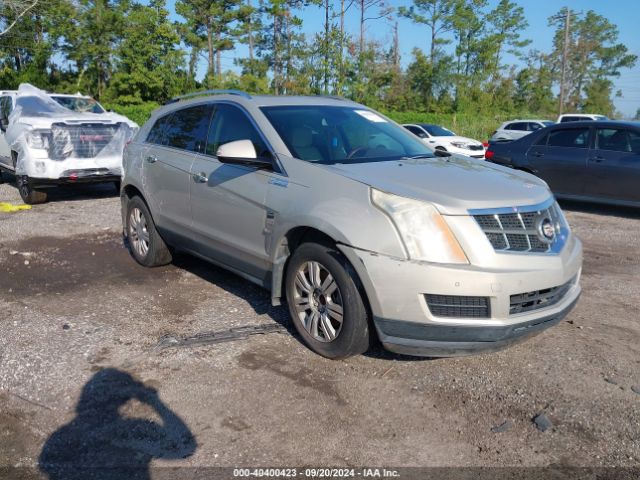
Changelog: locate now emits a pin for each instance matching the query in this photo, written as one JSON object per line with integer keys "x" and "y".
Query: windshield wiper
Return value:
{"x": 422, "y": 155}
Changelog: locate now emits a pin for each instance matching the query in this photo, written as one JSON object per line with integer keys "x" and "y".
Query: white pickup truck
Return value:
{"x": 49, "y": 139}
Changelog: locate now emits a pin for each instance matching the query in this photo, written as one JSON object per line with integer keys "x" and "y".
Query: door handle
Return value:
{"x": 151, "y": 159}
{"x": 597, "y": 159}
{"x": 538, "y": 154}
{"x": 200, "y": 177}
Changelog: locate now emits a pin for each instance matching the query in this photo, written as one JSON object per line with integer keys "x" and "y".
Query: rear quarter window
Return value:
{"x": 156, "y": 134}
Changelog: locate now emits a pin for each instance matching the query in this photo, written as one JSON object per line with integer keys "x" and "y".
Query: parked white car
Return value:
{"x": 515, "y": 129}
{"x": 580, "y": 117}
{"x": 52, "y": 139}
{"x": 440, "y": 138}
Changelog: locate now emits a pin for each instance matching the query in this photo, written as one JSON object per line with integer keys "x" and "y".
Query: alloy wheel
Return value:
{"x": 138, "y": 232}
{"x": 318, "y": 301}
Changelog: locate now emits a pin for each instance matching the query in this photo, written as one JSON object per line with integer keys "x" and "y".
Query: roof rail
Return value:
{"x": 209, "y": 92}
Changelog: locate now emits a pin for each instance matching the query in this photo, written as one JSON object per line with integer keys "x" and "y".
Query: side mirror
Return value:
{"x": 441, "y": 153}
{"x": 241, "y": 152}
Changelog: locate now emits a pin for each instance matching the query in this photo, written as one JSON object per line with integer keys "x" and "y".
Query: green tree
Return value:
{"x": 150, "y": 66}
{"x": 93, "y": 34}
{"x": 595, "y": 55}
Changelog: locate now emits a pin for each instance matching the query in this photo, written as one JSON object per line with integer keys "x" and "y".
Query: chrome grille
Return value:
{"x": 528, "y": 301}
{"x": 519, "y": 229}
{"x": 86, "y": 140}
{"x": 458, "y": 306}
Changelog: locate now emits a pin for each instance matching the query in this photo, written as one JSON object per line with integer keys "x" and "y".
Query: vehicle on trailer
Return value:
{"x": 50, "y": 139}
{"x": 442, "y": 139}
{"x": 596, "y": 161}
{"x": 515, "y": 129}
{"x": 352, "y": 221}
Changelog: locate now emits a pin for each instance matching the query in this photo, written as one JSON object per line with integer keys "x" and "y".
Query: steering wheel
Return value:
{"x": 352, "y": 153}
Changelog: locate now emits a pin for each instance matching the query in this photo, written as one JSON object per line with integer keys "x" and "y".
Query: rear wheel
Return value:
{"x": 28, "y": 194}
{"x": 145, "y": 244}
{"x": 325, "y": 303}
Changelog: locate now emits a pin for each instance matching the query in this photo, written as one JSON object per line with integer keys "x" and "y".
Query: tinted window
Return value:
{"x": 634, "y": 141}
{"x": 542, "y": 140}
{"x": 5, "y": 106}
{"x": 187, "y": 128}
{"x": 575, "y": 119}
{"x": 416, "y": 131}
{"x": 569, "y": 137}
{"x": 230, "y": 124}
{"x": 517, "y": 126}
{"x": 615, "y": 139}
{"x": 157, "y": 131}
{"x": 533, "y": 126}
{"x": 437, "y": 131}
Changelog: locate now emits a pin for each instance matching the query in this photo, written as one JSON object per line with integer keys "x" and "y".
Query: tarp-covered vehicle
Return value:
{"x": 51, "y": 139}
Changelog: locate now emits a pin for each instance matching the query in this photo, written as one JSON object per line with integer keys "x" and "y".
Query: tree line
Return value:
{"x": 474, "y": 58}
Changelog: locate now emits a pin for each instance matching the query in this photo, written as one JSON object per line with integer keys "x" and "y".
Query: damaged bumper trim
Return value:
{"x": 447, "y": 341}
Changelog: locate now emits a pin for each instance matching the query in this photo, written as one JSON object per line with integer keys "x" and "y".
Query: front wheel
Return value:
{"x": 145, "y": 243}
{"x": 325, "y": 303}
{"x": 29, "y": 195}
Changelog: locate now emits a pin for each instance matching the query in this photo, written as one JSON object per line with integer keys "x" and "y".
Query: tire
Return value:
{"x": 145, "y": 244}
{"x": 116, "y": 185}
{"x": 29, "y": 195}
{"x": 316, "y": 305}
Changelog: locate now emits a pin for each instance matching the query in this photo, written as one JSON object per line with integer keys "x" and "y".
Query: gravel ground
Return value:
{"x": 76, "y": 313}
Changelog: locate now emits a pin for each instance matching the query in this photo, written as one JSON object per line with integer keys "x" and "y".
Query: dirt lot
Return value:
{"x": 79, "y": 320}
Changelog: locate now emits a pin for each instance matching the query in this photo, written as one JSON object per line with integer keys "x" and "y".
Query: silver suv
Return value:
{"x": 353, "y": 222}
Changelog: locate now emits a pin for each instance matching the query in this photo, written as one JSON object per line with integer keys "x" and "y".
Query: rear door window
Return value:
{"x": 569, "y": 137}
{"x": 533, "y": 126}
{"x": 517, "y": 126}
{"x": 187, "y": 129}
{"x": 613, "y": 139}
{"x": 634, "y": 141}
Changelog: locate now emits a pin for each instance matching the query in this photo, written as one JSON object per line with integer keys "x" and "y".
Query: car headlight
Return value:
{"x": 424, "y": 232}
{"x": 460, "y": 145}
{"x": 39, "y": 139}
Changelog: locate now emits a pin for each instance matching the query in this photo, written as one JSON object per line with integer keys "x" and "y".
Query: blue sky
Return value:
{"x": 623, "y": 13}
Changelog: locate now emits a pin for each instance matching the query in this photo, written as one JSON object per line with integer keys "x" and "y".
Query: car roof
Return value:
{"x": 529, "y": 120}
{"x": 266, "y": 100}
{"x": 597, "y": 123}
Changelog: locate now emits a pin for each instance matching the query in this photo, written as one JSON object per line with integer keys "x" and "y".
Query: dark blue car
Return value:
{"x": 594, "y": 161}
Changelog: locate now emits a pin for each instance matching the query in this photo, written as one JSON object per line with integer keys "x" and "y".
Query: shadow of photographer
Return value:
{"x": 99, "y": 443}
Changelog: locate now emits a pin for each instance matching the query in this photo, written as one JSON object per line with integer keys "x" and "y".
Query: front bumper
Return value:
{"x": 396, "y": 290}
{"x": 74, "y": 177}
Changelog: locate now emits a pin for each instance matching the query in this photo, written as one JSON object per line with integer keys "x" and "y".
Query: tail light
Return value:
{"x": 488, "y": 155}
{"x": 485, "y": 144}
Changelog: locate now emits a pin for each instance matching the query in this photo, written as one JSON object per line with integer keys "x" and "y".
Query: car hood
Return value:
{"x": 458, "y": 138}
{"x": 454, "y": 184}
{"x": 74, "y": 118}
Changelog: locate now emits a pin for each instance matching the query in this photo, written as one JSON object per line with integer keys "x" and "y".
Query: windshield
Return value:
{"x": 547, "y": 123}
{"x": 328, "y": 135}
{"x": 437, "y": 131}
{"x": 79, "y": 104}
